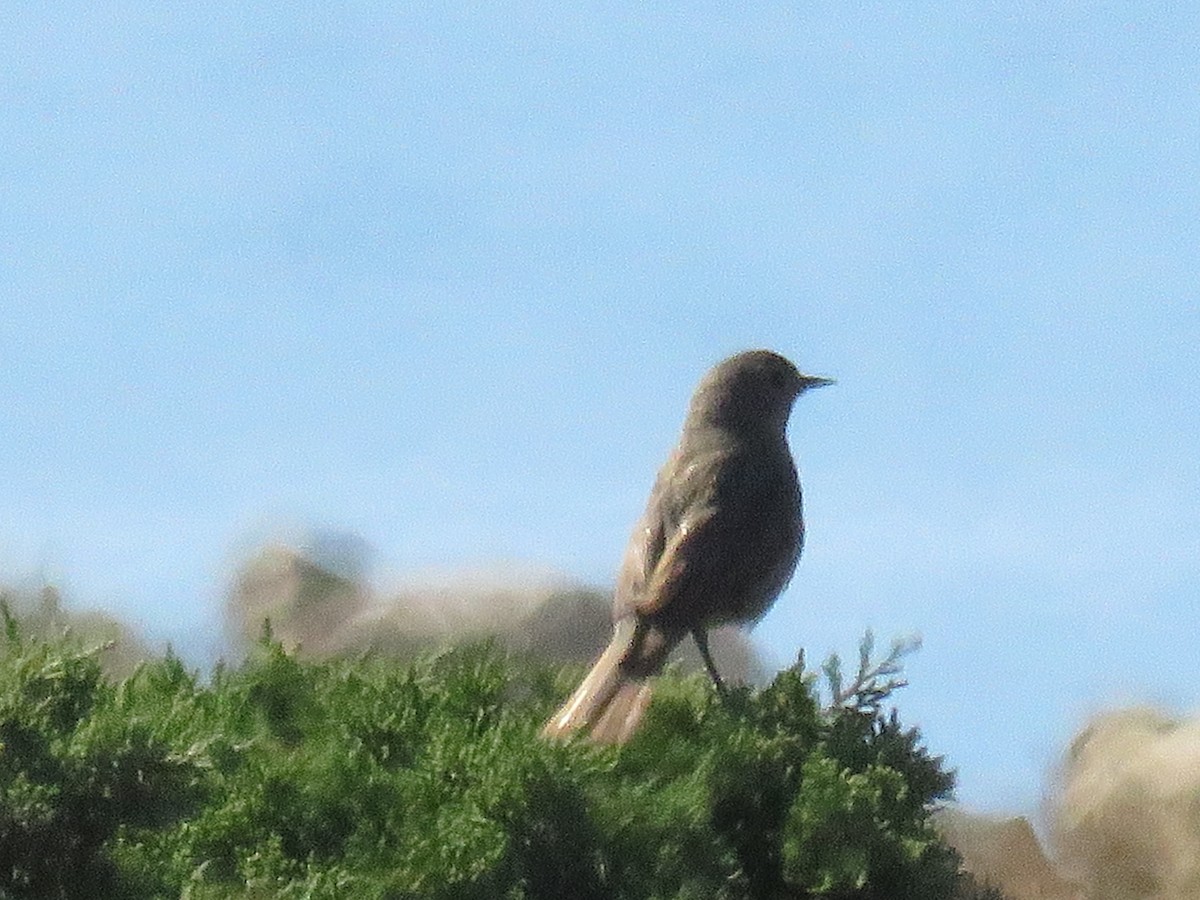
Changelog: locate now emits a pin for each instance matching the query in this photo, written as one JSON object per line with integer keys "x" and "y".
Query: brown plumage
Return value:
{"x": 719, "y": 539}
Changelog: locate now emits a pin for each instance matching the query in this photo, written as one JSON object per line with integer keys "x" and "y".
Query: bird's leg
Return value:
{"x": 701, "y": 637}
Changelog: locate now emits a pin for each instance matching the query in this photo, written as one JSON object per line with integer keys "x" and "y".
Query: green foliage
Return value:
{"x": 370, "y": 778}
{"x": 876, "y": 679}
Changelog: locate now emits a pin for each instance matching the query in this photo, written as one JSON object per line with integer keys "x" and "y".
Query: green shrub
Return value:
{"x": 370, "y": 778}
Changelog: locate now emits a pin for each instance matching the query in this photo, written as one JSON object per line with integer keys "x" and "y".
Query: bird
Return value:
{"x": 719, "y": 540}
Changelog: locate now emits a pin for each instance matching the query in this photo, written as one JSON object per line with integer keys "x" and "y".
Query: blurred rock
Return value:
{"x": 1126, "y": 814}
{"x": 1005, "y": 853}
{"x": 41, "y": 613}
{"x": 309, "y": 608}
{"x": 319, "y": 613}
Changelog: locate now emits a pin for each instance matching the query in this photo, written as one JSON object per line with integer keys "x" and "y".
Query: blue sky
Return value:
{"x": 444, "y": 276}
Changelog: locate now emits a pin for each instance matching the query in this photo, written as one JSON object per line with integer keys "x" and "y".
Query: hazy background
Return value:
{"x": 443, "y": 278}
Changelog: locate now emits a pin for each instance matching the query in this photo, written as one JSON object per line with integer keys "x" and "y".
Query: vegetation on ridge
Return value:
{"x": 374, "y": 778}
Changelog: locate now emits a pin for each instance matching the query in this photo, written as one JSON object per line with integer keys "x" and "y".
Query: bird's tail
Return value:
{"x": 610, "y": 701}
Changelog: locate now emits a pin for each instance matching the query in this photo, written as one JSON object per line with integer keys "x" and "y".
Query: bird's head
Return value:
{"x": 754, "y": 389}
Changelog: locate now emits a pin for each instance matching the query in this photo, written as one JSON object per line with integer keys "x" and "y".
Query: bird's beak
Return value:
{"x": 815, "y": 381}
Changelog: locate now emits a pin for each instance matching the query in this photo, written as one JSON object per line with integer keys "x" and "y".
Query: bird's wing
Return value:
{"x": 670, "y": 536}
{"x": 677, "y": 561}
{"x": 642, "y": 554}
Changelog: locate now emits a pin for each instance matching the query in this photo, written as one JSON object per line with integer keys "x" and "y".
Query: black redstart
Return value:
{"x": 719, "y": 539}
